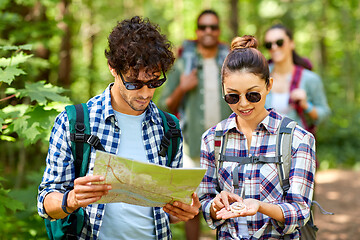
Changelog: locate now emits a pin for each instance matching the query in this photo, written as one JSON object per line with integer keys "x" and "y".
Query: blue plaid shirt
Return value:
{"x": 260, "y": 181}
{"x": 59, "y": 174}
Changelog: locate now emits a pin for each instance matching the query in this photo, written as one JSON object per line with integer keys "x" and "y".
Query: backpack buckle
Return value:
{"x": 77, "y": 137}
{"x": 175, "y": 132}
{"x": 254, "y": 159}
{"x": 93, "y": 140}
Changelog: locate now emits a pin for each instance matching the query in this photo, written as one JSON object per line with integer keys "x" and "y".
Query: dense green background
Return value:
{"x": 52, "y": 53}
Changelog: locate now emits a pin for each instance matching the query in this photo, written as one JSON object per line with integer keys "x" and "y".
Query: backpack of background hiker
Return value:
{"x": 81, "y": 141}
{"x": 282, "y": 158}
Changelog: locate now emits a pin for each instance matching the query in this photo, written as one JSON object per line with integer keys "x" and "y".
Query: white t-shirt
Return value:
{"x": 211, "y": 93}
{"x": 280, "y": 102}
{"x": 122, "y": 220}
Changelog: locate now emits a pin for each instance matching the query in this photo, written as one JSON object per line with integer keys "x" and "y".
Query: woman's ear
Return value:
{"x": 269, "y": 86}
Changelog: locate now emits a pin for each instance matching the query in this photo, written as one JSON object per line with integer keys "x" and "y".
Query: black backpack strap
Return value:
{"x": 81, "y": 138}
{"x": 80, "y": 130}
{"x": 170, "y": 141}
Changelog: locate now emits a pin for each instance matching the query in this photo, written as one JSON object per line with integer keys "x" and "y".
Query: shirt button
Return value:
{"x": 98, "y": 215}
{"x": 249, "y": 177}
{"x": 257, "y": 133}
{"x": 116, "y": 130}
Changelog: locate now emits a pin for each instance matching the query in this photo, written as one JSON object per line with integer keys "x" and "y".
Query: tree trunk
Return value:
{"x": 234, "y": 19}
{"x": 65, "y": 48}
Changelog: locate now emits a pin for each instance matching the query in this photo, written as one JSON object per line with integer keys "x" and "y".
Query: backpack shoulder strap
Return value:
{"x": 171, "y": 140}
{"x": 220, "y": 141}
{"x": 296, "y": 77}
{"x": 284, "y": 138}
{"x": 81, "y": 138}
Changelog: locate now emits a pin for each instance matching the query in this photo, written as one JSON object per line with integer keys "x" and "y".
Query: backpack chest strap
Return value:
{"x": 247, "y": 160}
{"x": 250, "y": 160}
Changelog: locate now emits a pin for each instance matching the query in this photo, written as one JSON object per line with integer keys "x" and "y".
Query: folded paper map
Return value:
{"x": 145, "y": 184}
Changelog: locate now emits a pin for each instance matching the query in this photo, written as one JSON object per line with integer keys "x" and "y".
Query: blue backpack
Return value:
{"x": 81, "y": 142}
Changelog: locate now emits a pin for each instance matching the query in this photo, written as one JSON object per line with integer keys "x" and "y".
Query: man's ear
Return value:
{"x": 112, "y": 70}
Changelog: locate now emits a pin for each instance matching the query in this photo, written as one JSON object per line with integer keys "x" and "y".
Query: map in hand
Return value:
{"x": 145, "y": 184}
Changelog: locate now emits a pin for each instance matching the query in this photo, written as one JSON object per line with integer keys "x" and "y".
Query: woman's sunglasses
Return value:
{"x": 279, "y": 43}
{"x": 137, "y": 84}
{"x": 233, "y": 98}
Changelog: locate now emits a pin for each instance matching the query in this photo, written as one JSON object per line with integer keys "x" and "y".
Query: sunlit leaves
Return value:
{"x": 14, "y": 60}
{"x": 43, "y": 93}
{"x": 20, "y": 47}
{"x": 8, "y": 74}
{"x": 33, "y": 125}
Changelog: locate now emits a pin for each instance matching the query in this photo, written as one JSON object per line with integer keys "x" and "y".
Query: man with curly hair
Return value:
{"x": 129, "y": 125}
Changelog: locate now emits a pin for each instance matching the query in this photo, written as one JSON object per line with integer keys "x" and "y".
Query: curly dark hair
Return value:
{"x": 136, "y": 44}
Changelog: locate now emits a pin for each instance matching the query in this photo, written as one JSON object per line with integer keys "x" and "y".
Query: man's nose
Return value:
{"x": 146, "y": 92}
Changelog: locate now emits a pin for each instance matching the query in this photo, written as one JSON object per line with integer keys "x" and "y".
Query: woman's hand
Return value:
{"x": 298, "y": 95}
{"x": 251, "y": 208}
{"x": 223, "y": 201}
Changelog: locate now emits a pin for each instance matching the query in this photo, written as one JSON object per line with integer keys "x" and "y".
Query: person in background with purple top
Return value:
{"x": 297, "y": 92}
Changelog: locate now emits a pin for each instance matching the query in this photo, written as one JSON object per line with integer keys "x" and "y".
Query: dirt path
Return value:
{"x": 338, "y": 191}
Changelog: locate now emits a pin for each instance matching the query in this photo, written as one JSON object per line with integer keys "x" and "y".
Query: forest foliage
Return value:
{"x": 52, "y": 54}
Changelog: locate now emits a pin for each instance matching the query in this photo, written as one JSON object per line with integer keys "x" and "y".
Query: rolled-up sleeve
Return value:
{"x": 316, "y": 95}
{"x": 59, "y": 172}
{"x": 296, "y": 207}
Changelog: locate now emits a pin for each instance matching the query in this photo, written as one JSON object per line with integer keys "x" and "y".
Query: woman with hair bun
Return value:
{"x": 297, "y": 91}
{"x": 261, "y": 210}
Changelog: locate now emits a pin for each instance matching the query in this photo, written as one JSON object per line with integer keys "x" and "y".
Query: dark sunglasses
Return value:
{"x": 233, "y": 98}
{"x": 212, "y": 27}
{"x": 137, "y": 84}
{"x": 279, "y": 43}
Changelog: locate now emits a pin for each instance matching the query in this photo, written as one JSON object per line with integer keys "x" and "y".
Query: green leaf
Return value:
{"x": 7, "y": 138}
{"x": 42, "y": 116}
{"x": 35, "y": 124}
{"x": 8, "y": 74}
{"x": 42, "y": 92}
{"x": 20, "y": 47}
{"x": 8, "y": 202}
{"x": 14, "y": 60}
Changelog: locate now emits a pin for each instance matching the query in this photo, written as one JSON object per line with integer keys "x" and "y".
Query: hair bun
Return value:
{"x": 246, "y": 41}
